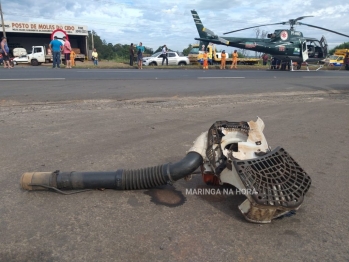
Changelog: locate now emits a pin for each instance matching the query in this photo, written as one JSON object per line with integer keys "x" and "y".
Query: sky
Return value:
{"x": 159, "y": 22}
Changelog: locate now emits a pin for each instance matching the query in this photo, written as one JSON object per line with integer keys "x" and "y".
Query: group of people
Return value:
{"x": 223, "y": 60}
{"x": 57, "y": 47}
{"x": 139, "y": 51}
{"x": 5, "y": 52}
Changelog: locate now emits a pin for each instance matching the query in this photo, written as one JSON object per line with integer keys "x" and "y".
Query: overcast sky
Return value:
{"x": 158, "y": 22}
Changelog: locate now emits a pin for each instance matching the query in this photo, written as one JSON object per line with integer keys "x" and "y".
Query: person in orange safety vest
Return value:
{"x": 235, "y": 60}
{"x": 223, "y": 59}
{"x": 205, "y": 58}
{"x": 72, "y": 58}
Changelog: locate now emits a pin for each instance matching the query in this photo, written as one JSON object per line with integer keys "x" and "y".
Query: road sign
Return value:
{"x": 60, "y": 34}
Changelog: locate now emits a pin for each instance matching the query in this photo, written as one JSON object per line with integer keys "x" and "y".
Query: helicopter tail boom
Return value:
{"x": 199, "y": 25}
{"x": 206, "y": 35}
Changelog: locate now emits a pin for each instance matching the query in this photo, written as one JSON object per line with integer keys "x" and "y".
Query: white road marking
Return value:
{"x": 222, "y": 77}
{"x": 326, "y": 77}
{"x": 31, "y": 79}
{"x": 115, "y": 71}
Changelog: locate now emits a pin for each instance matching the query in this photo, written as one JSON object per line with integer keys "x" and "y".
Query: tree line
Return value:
{"x": 109, "y": 51}
{"x": 345, "y": 45}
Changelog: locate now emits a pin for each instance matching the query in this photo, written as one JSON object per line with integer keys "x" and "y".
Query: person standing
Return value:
{"x": 95, "y": 57}
{"x": 132, "y": 54}
{"x": 210, "y": 61}
{"x": 278, "y": 63}
{"x": 72, "y": 58}
{"x": 273, "y": 63}
{"x": 164, "y": 55}
{"x": 66, "y": 52}
{"x": 223, "y": 59}
{"x": 56, "y": 47}
{"x": 5, "y": 50}
{"x": 205, "y": 58}
{"x": 235, "y": 59}
{"x": 140, "y": 51}
{"x": 346, "y": 61}
{"x": 265, "y": 59}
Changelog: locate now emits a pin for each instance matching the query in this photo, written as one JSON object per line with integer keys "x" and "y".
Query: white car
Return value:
{"x": 21, "y": 59}
{"x": 173, "y": 59}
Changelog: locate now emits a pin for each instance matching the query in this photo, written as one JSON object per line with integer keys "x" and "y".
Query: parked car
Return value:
{"x": 21, "y": 59}
{"x": 174, "y": 58}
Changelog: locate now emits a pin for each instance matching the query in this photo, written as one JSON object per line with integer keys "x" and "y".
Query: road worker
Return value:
{"x": 205, "y": 58}
{"x": 235, "y": 59}
{"x": 223, "y": 59}
{"x": 72, "y": 58}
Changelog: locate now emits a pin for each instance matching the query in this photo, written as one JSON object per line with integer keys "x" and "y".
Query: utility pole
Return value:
{"x": 2, "y": 21}
{"x": 93, "y": 44}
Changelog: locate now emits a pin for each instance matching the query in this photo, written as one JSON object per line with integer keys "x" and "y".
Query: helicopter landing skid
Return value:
{"x": 307, "y": 65}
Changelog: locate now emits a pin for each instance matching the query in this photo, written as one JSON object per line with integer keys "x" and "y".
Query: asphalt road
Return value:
{"x": 150, "y": 73}
{"x": 92, "y": 125}
{"x": 41, "y": 84}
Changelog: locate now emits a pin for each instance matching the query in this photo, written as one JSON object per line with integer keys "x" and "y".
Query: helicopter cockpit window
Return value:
{"x": 314, "y": 49}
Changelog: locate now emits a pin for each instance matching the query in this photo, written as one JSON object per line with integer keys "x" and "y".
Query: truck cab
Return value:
{"x": 37, "y": 56}
{"x": 215, "y": 57}
{"x": 337, "y": 59}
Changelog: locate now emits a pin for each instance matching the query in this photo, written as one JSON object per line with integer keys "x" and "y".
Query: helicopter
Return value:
{"x": 287, "y": 45}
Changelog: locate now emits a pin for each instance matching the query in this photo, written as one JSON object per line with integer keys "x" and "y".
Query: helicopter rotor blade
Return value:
{"x": 282, "y": 23}
{"x": 324, "y": 29}
{"x": 302, "y": 17}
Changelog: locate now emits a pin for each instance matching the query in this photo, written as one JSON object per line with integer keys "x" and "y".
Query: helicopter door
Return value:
{"x": 304, "y": 51}
{"x": 323, "y": 43}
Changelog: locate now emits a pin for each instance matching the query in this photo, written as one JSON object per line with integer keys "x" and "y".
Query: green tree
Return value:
{"x": 187, "y": 50}
{"x": 241, "y": 55}
{"x": 98, "y": 42}
{"x": 159, "y": 49}
{"x": 345, "y": 45}
{"x": 110, "y": 51}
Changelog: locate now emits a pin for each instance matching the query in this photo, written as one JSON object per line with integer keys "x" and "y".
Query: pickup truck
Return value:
{"x": 41, "y": 55}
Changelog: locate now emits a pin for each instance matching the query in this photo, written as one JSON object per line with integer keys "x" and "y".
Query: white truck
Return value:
{"x": 41, "y": 55}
